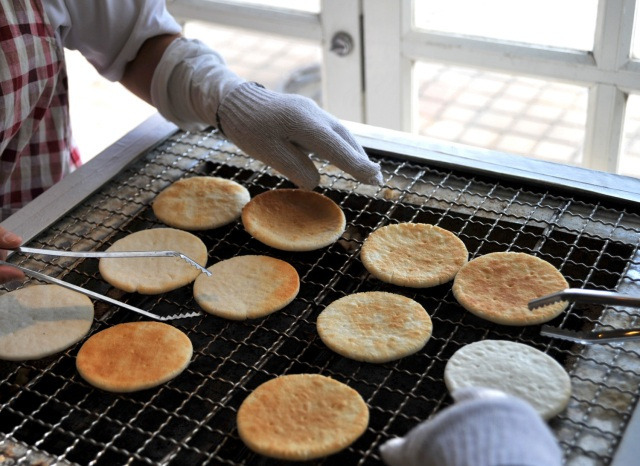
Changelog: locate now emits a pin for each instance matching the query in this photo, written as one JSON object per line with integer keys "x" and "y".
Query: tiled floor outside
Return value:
{"x": 510, "y": 114}
{"x": 519, "y": 115}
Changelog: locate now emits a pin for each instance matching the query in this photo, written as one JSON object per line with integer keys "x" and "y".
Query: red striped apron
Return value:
{"x": 35, "y": 133}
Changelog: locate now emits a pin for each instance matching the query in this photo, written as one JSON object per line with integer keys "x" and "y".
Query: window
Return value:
{"x": 507, "y": 113}
{"x": 276, "y": 62}
{"x": 312, "y": 6}
{"x": 630, "y": 159}
{"x": 601, "y": 72}
{"x": 635, "y": 47}
{"x": 565, "y": 24}
{"x": 541, "y": 78}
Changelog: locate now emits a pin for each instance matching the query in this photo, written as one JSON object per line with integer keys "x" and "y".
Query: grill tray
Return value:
{"x": 48, "y": 414}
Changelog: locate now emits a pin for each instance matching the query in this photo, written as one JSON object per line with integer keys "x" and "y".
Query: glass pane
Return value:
{"x": 281, "y": 64}
{"x": 635, "y": 45}
{"x": 524, "y": 116}
{"x": 311, "y": 6}
{"x": 564, "y": 23}
{"x": 630, "y": 156}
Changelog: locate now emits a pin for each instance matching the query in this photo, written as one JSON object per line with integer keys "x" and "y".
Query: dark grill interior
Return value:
{"x": 49, "y": 414}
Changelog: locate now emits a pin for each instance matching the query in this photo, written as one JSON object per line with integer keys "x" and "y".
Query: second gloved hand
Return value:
{"x": 193, "y": 88}
{"x": 483, "y": 428}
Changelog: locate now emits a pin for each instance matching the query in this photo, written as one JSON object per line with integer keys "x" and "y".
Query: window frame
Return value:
{"x": 609, "y": 71}
{"x": 374, "y": 83}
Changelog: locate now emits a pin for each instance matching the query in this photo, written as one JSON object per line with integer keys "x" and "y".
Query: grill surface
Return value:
{"x": 49, "y": 414}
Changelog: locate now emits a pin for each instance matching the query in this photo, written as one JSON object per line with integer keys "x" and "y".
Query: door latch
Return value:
{"x": 341, "y": 43}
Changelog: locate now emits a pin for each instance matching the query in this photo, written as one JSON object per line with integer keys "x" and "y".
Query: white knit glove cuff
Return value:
{"x": 189, "y": 83}
{"x": 194, "y": 89}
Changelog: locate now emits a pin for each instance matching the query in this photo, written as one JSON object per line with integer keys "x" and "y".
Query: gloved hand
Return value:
{"x": 193, "y": 88}
{"x": 483, "y": 428}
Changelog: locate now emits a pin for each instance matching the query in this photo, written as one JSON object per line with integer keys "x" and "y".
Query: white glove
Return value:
{"x": 483, "y": 428}
{"x": 193, "y": 88}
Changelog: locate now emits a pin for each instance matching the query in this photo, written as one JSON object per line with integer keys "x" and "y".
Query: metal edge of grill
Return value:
{"x": 594, "y": 240}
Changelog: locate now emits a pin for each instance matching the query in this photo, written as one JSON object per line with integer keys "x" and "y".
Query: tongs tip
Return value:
{"x": 178, "y": 316}
{"x": 580, "y": 295}
{"x": 194, "y": 263}
{"x": 547, "y": 300}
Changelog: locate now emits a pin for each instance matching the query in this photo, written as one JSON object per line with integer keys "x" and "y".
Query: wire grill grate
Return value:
{"x": 48, "y": 413}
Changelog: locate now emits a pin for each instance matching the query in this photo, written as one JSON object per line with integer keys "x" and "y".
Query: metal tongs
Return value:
{"x": 578, "y": 295}
{"x": 119, "y": 254}
{"x": 99, "y": 296}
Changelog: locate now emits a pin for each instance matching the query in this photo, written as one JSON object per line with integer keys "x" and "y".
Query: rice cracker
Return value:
{"x": 374, "y": 326}
{"x": 416, "y": 255}
{"x": 293, "y": 219}
{"x": 200, "y": 203}
{"x": 301, "y": 417}
{"x": 513, "y": 368}
{"x": 247, "y": 287}
{"x": 154, "y": 275}
{"x": 134, "y": 356}
{"x": 41, "y": 320}
{"x": 498, "y": 287}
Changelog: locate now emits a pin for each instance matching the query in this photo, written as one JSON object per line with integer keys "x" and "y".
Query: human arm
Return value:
{"x": 137, "y": 43}
{"x": 193, "y": 88}
{"x": 138, "y": 73}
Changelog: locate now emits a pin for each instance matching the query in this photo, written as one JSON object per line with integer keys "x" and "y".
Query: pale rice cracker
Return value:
{"x": 498, "y": 287}
{"x": 513, "y": 368}
{"x": 374, "y": 326}
{"x": 247, "y": 287}
{"x": 134, "y": 356}
{"x": 302, "y": 417}
{"x": 41, "y": 320}
{"x": 293, "y": 219}
{"x": 200, "y": 203}
{"x": 416, "y": 255}
{"x": 154, "y": 275}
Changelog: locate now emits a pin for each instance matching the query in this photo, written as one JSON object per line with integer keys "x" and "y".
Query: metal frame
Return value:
{"x": 606, "y": 185}
{"x": 55, "y": 203}
{"x": 342, "y": 82}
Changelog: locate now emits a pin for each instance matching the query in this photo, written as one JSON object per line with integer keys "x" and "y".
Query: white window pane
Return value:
{"x": 630, "y": 157}
{"x": 311, "y": 6}
{"x": 556, "y": 23}
{"x": 635, "y": 46}
{"x": 277, "y": 63}
{"x": 524, "y": 116}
